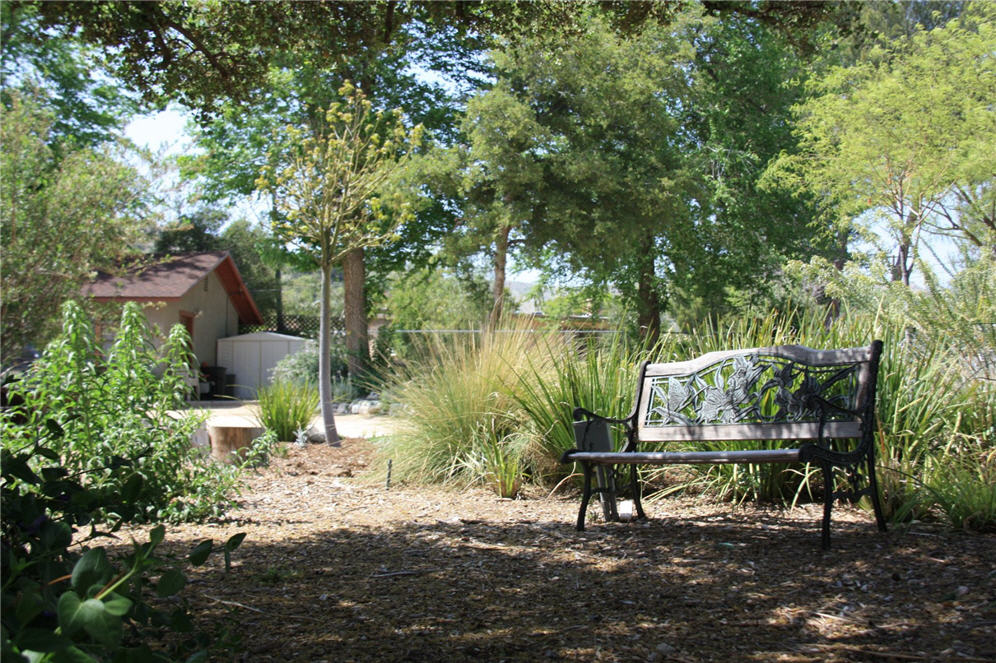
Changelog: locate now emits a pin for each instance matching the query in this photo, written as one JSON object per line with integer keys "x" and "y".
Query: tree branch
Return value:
{"x": 212, "y": 58}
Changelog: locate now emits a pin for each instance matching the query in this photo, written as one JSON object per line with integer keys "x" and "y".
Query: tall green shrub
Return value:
{"x": 302, "y": 366}
{"x": 113, "y": 418}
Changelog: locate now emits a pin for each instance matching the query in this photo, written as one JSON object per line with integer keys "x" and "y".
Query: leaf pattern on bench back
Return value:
{"x": 751, "y": 388}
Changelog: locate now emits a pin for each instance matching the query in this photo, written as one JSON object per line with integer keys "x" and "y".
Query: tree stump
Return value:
{"x": 227, "y": 440}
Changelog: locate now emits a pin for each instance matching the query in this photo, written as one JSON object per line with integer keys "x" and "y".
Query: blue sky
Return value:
{"x": 158, "y": 130}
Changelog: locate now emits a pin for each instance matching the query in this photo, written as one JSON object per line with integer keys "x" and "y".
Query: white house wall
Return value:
{"x": 214, "y": 317}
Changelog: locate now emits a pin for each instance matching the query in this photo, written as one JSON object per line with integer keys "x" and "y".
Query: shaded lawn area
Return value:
{"x": 336, "y": 568}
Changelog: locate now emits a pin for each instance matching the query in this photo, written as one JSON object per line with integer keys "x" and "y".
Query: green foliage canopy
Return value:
{"x": 87, "y": 105}
{"x": 65, "y": 213}
{"x": 325, "y": 185}
{"x": 634, "y": 159}
{"x": 909, "y": 134}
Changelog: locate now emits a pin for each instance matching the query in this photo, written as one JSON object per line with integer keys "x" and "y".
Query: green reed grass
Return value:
{"x": 286, "y": 407}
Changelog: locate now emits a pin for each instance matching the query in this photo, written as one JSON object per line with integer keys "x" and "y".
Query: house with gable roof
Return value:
{"x": 202, "y": 291}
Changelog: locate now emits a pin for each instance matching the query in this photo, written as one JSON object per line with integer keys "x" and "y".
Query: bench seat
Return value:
{"x": 688, "y": 457}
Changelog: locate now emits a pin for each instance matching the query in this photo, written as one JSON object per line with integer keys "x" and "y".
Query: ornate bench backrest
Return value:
{"x": 775, "y": 393}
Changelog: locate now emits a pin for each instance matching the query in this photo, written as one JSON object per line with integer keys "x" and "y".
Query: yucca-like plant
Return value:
{"x": 600, "y": 377}
{"x": 923, "y": 405}
{"x": 499, "y": 463}
{"x": 286, "y": 407}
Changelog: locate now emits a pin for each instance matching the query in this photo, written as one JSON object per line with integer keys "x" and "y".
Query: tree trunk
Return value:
{"x": 227, "y": 441}
{"x": 649, "y": 315}
{"x": 833, "y": 310}
{"x": 498, "y": 290}
{"x": 324, "y": 363}
{"x": 357, "y": 341}
{"x": 901, "y": 268}
{"x": 281, "y": 325}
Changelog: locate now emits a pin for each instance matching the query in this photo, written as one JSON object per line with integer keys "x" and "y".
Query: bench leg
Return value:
{"x": 634, "y": 482}
{"x": 585, "y": 497}
{"x": 873, "y": 487}
{"x": 606, "y": 476}
{"x": 828, "y": 497}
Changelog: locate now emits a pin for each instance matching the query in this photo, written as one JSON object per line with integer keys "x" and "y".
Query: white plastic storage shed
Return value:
{"x": 251, "y": 358}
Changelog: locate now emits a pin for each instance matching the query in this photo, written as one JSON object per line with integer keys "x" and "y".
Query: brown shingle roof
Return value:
{"x": 171, "y": 278}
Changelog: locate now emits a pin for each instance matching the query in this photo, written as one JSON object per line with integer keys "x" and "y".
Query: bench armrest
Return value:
{"x": 591, "y": 433}
{"x": 815, "y": 452}
{"x": 581, "y": 413}
{"x": 820, "y": 451}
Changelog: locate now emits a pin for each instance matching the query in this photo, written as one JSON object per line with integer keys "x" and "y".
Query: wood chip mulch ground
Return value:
{"x": 337, "y": 568}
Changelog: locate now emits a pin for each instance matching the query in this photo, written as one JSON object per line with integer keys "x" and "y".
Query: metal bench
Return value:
{"x": 823, "y": 399}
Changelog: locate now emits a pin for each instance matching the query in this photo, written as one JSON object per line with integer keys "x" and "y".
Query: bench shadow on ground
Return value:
{"x": 728, "y": 588}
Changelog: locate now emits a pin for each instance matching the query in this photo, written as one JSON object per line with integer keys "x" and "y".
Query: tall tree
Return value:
{"x": 905, "y": 134}
{"x": 580, "y": 148}
{"x": 300, "y": 89}
{"x": 252, "y": 249}
{"x": 326, "y": 191}
{"x": 194, "y": 230}
{"x": 203, "y": 54}
{"x": 746, "y": 78}
{"x": 63, "y": 214}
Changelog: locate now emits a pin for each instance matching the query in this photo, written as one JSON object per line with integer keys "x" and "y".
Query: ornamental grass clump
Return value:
{"x": 964, "y": 490}
{"x": 457, "y": 398}
{"x": 287, "y": 407}
{"x": 499, "y": 464}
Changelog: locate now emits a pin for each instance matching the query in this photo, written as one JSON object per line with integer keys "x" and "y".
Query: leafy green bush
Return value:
{"x": 64, "y": 602}
{"x": 113, "y": 419}
{"x": 286, "y": 407}
{"x": 302, "y": 366}
{"x": 92, "y": 445}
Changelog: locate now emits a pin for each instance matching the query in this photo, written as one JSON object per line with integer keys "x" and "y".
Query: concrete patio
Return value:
{"x": 238, "y": 413}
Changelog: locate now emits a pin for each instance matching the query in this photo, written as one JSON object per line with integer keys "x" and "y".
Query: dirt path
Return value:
{"x": 336, "y": 568}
